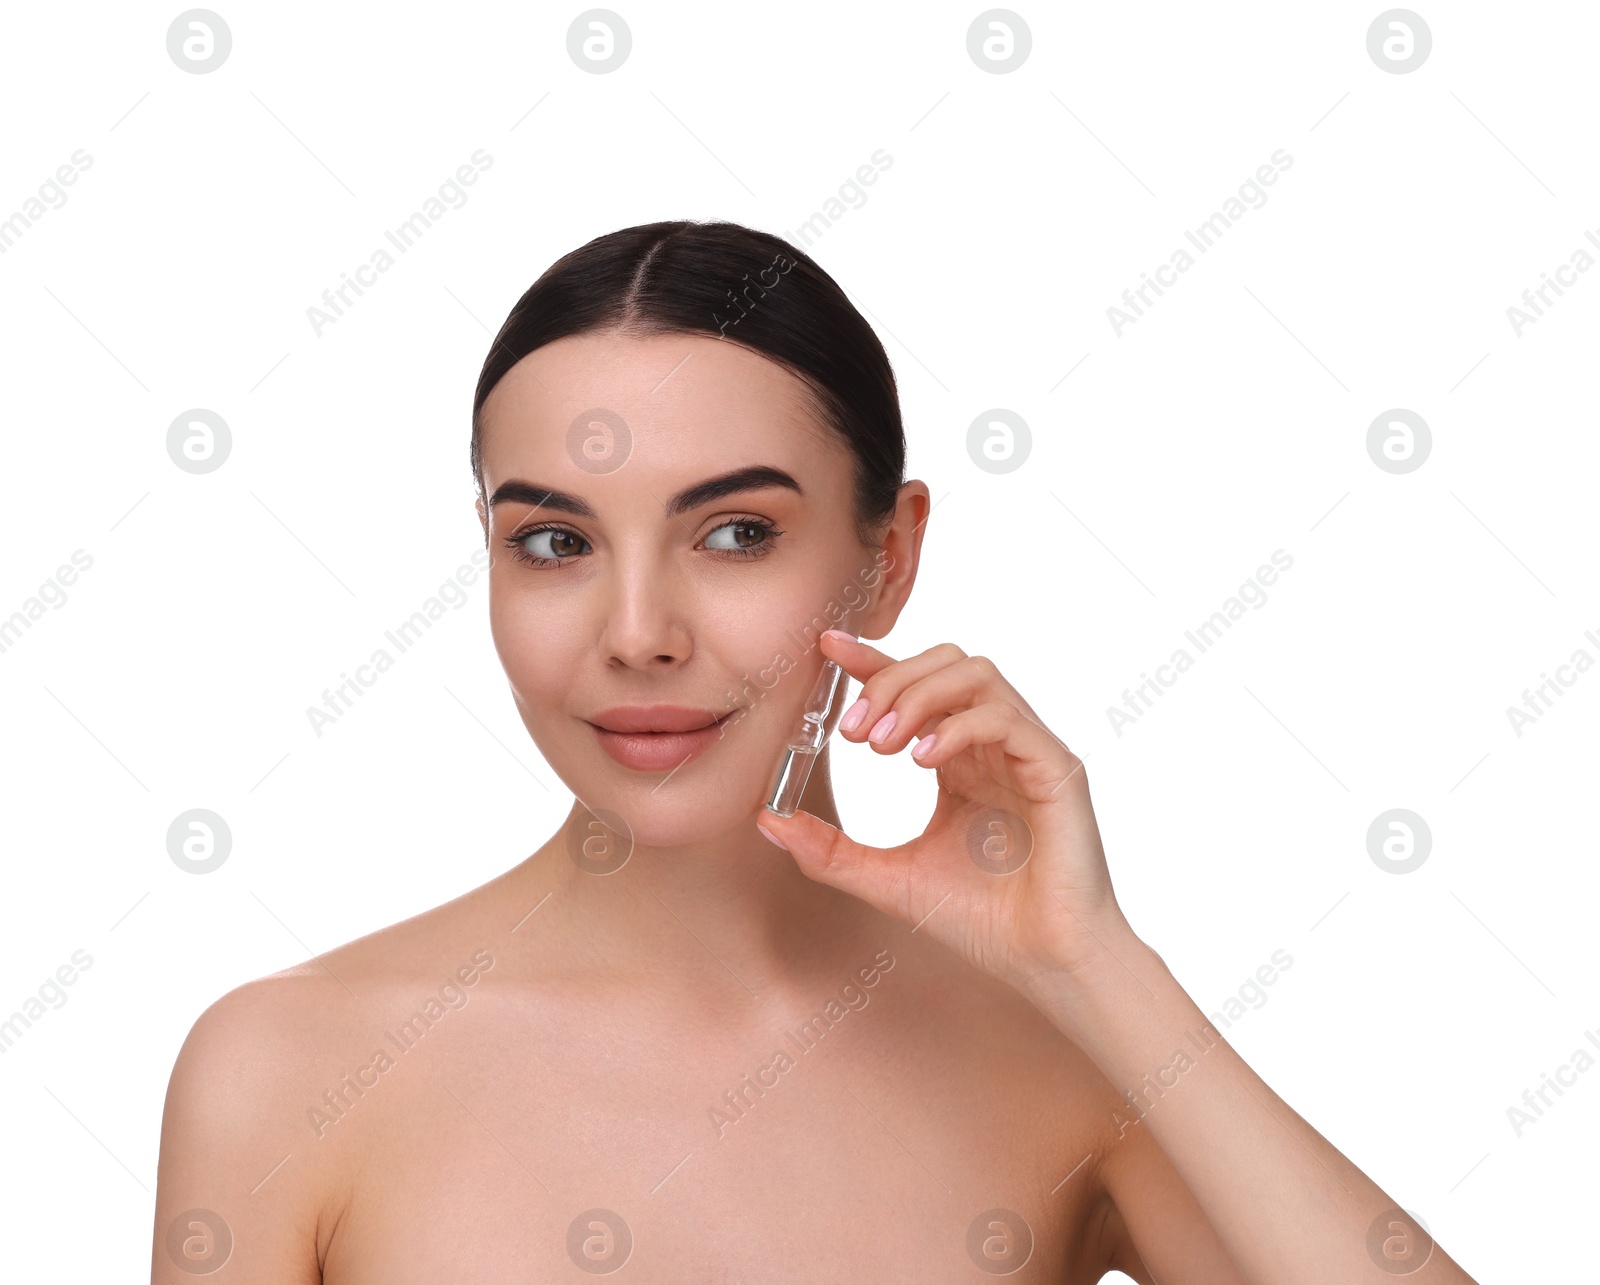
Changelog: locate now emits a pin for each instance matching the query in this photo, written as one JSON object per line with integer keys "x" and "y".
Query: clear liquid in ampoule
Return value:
{"x": 820, "y": 716}
{"x": 790, "y": 781}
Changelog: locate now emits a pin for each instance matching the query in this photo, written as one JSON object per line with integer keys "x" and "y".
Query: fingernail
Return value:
{"x": 881, "y": 729}
{"x": 772, "y": 837}
{"x": 924, "y": 745}
{"x": 838, "y": 633}
{"x": 853, "y": 716}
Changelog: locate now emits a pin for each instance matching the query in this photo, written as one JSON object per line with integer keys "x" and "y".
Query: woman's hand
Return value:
{"x": 1010, "y": 872}
{"x": 1272, "y": 1199}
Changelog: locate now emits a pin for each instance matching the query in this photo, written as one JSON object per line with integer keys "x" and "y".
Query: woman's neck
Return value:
{"x": 736, "y": 898}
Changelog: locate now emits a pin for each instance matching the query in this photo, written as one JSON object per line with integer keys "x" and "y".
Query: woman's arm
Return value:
{"x": 1010, "y": 873}
{"x": 237, "y": 1190}
{"x": 1284, "y": 1202}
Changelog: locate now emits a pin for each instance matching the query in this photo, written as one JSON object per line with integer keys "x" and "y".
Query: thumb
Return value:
{"x": 829, "y": 855}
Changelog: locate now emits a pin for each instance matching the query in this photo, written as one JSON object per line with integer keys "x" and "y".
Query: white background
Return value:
{"x": 1228, "y": 422}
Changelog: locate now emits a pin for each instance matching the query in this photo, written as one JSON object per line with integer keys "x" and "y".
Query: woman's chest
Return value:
{"x": 894, "y": 1149}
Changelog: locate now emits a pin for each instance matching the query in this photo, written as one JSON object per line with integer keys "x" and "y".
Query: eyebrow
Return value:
{"x": 754, "y": 477}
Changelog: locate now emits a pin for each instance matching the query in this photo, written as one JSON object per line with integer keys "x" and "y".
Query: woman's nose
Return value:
{"x": 644, "y": 622}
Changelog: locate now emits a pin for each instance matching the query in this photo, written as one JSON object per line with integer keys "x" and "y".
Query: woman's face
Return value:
{"x": 639, "y": 582}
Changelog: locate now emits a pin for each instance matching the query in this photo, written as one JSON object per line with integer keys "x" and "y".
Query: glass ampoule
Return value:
{"x": 820, "y": 716}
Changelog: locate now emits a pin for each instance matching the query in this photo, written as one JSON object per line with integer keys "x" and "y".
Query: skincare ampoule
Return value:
{"x": 821, "y": 716}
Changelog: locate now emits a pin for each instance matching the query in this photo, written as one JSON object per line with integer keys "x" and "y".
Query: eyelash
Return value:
{"x": 520, "y": 552}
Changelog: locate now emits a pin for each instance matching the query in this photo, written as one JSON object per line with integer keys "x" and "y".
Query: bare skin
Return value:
{"x": 590, "y": 1034}
{"x": 581, "y": 1072}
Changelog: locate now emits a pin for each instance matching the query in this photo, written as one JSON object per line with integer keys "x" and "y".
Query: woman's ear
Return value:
{"x": 897, "y": 560}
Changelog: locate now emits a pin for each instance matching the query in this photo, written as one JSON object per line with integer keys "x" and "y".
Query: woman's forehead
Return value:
{"x": 695, "y": 373}
{"x": 676, "y": 407}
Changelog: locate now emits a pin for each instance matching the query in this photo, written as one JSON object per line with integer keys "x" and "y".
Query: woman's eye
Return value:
{"x": 549, "y": 547}
{"x": 739, "y": 536}
{"x": 552, "y": 545}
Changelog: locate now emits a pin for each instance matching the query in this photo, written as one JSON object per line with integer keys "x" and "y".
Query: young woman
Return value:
{"x": 689, "y": 1039}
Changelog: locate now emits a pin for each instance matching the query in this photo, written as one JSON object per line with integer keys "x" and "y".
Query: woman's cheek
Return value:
{"x": 771, "y": 674}
{"x": 527, "y": 643}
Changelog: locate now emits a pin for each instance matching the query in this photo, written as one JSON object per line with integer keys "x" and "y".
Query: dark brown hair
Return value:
{"x": 733, "y": 282}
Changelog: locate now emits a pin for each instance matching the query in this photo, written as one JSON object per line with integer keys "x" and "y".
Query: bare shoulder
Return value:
{"x": 250, "y": 1174}
{"x": 228, "y": 1188}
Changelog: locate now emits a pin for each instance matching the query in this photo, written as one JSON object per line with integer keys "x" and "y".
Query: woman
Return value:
{"x": 692, "y": 1039}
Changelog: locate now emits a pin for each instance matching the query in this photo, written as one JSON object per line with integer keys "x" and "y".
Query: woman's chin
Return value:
{"x": 677, "y": 814}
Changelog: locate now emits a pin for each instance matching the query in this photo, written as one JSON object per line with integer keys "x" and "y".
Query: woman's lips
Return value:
{"x": 657, "y": 751}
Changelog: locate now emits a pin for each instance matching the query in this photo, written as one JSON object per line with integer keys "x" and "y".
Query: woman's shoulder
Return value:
{"x": 265, "y": 1028}
{"x": 440, "y": 940}
{"x": 267, "y": 1064}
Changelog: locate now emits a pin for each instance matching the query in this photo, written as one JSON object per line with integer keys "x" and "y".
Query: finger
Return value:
{"x": 883, "y": 686}
{"x": 830, "y": 856}
{"x": 930, "y": 701}
{"x": 923, "y": 705}
{"x": 858, "y": 659}
{"x": 1043, "y": 762}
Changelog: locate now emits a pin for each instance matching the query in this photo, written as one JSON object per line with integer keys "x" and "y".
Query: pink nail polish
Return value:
{"x": 922, "y": 747}
{"x": 880, "y": 731}
{"x": 853, "y": 716}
